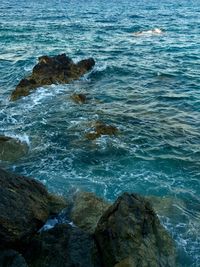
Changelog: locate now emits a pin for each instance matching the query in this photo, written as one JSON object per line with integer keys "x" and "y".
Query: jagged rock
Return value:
{"x": 79, "y": 98}
{"x": 25, "y": 206}
{"x": 86, "y": 210}
{"x": 52, "y": 70}
{"x": 130, "y": 234}
{"x": 12, "y": 149}
{"x": 11, "y": 258}
{"x": 62, "y": 246}
{"x": 99, "y": 129}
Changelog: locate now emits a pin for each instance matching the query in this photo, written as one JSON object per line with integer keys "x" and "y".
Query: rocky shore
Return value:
{"x": 87, "y": 230}
{"x": 38, "y": 229}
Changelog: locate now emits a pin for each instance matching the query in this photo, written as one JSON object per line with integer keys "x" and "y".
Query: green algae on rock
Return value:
{"x": 58, "y": 69}
{"x": 12, "y": 149}
{"x": 86, "y": 210}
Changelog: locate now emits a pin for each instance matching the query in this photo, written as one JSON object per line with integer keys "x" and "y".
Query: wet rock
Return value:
{"x": 130, "y": 234}
{"x": 12, "y": 149}
{"x": 87, "y": 210}
{"x": 52, "y": 70}
{"x": 11, "y": 258}
{"x": 25, "y": 206}
{"x": 79, "y": 98}
{"x": 100, "y": 129}
{"x": 62, "y": 246}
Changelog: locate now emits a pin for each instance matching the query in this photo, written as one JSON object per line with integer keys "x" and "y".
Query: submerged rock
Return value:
{"x": 62, "y": 246}
{"x": 130, "y": 234}
{"x": 100, "y": 129}
{"x": 79, "y": 98}
{"x": 25, "y": 206}
{"x": 12, "y": 149}
{"x": 86, "y": 210}
{"x": 52, "y": 70}
{"x": 11, "y": 258}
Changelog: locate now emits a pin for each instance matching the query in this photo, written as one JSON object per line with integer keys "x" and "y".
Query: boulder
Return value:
{"x": 12, "y": 149}
{"x": 79, "y": 98}
{"x": 62, "y": 246}
{"x": 130, "y": 234}
{"x": 52, "y": 70}
{"x": 86, "y": 210}
{"x": 99, "y": 129}
{"x": 11, "y": 258}
{"x": 25, "y": 206}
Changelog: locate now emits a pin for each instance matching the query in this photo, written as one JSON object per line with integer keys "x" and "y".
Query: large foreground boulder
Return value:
{"x": 25, "y": 205}
{"x": 52, "y": 70}
{"x": 12, "y": 149}
{"x": 129, "y": 234}
{"x": 62, "y": 246}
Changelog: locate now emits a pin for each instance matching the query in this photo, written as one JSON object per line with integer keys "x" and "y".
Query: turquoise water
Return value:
{"x": 147, "y": 85}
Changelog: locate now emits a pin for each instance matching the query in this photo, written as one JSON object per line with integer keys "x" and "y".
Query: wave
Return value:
{"x": 155, "y": 31}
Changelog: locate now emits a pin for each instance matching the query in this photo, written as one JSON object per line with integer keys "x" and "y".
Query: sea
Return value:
{"x": 146, "y": 82}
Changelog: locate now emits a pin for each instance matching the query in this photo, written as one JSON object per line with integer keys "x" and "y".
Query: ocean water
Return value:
{"x": 147, "y": 85}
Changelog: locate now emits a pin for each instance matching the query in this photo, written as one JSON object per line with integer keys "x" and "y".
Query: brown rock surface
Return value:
{"x": 52, "y": 70}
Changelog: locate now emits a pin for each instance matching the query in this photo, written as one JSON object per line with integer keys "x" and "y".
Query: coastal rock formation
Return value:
{"x": 87, "y": 203}
{"x": 62, "y": 246}
{"x": 124, "y": 234}
{"x": 99, "y": 129}
{"x": 25, "y": 206}
{"x": 11, "y": 149}
{"x": 52, "y": 70}
{"x": 130, "y": 234}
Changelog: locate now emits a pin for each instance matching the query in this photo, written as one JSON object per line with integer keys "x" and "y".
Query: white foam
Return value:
{"x": 24, "y": 138}
{"x": 155, "y": 31}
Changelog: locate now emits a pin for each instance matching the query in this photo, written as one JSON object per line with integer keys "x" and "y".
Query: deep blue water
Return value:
{"x": 146, "y": 85}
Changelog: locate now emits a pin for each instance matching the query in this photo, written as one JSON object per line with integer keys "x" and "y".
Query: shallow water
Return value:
{"x": 147, "y": 86}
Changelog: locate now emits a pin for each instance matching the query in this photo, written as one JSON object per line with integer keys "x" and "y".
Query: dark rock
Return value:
{"x": 130, "y": 234}
{"x": 52, "y": 70}
{"x": 12, "y": 149}
{"x": 100, "y": 129}
{"x": 79, "y": 98}
{"x": 62, "y": 246}
{"x": 11, "y": 258}
{"x": 25, "y": 206}
{"x": 86, "y": 210}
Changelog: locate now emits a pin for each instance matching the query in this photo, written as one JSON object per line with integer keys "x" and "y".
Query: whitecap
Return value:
{"x": 155, "y": 31}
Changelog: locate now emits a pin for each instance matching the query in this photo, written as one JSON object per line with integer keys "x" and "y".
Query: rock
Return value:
{"x": 79, "y": 98}
{"x": 11, "y": 258}
{"x": 12, "y": 149}
{"x": 25, "y": 206}
{"x": 100, "y": 129}
{"x": 130, "y": 234}
{"x": 56, "y": 204}
{"x": 62, "y": 246}
{"x": 87, "y": 210}
{"x": 52, "y": 70}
